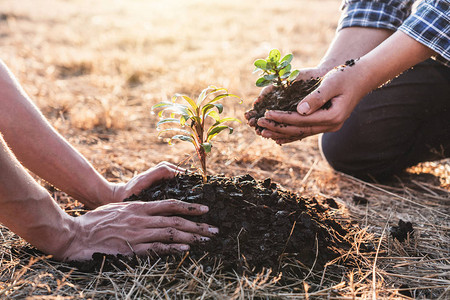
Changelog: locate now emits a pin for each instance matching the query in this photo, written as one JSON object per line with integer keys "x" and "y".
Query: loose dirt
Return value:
{"x": 285, "y": 99}
{"x": 261, "y": 225}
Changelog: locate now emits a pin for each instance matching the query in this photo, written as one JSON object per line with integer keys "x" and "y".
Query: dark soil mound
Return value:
{"x": 285, "y": 99}
{"x": 261, "y": 225}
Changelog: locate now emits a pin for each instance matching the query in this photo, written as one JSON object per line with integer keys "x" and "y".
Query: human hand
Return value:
{"x": 344, "y": 86}
{"x": 135, "y": 227}
{"x": 305, "y": 74}
{"x": 121, "y": 191}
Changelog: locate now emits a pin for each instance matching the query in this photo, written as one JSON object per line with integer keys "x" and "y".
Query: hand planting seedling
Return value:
{"x": 193, "y": 120}
{"x": 286, "y": 89}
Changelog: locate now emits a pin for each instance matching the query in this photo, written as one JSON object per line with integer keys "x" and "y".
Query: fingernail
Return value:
{"x": 267, "y": 114}
{"x": 204, "y": 239}
{"x": 213, "y": 230}
{"x": 204, "y": 208}
{"x": 184, "y": 248}
{"x": 303, "y": 108}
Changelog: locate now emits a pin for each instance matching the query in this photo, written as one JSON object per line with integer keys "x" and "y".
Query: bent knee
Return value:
{"x": 337, "y": 154}
{"x": 350, "y": 157}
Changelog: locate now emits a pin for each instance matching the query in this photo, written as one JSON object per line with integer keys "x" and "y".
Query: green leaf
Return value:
{"x": 168, "y": 120}
{"x": 162, "y": 105}
{"x": 213, "y": 131}
{"x": 206, "y": 92}
{"x": 184, "y": 119}
{"x": 288, "y": 58}
{"x": 188, "y": 100}
{"x": 285, "y": 70}
{"x": 182, "y": 137}
{"x": 213, "y": 114}
{"x": 257, "y": 70}
{"x": 175, "y": 108}
{"x": 261, "y": 64}
{"x": 285, "y": 75}
{"x": 210, "y": 106}
{"x": 218, "y": 97}
{"x": 230, "y": 119}
{"x": 261, "y": 82}
{"x": 294, "y": 74}
{"x": 271, "y": 66}
{"x": 274, "y": 55}
{"x": 283, "y": 65}
{"x": 206, "y": 147}
{"x": 270, "y": 77}
{"x": 174, "y": 129}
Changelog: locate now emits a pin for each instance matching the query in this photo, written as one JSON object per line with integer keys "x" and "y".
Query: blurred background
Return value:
{"x": 96, "y": 67}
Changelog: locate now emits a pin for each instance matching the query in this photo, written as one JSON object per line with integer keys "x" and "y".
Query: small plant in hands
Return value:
{"x": 275, "y": 70}
{"x": 285, "y": 90}
{"x": 198, "y": 120}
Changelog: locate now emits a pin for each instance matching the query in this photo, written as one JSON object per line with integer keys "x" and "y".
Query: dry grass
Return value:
{"x": 96, "y": 67}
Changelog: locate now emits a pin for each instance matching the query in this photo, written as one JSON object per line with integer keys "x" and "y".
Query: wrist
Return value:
{"x": 98, "y": 192}
{"x": 60, "y": 241}
{"x": 44, "y": 225}
{"x": 326, "y": 65}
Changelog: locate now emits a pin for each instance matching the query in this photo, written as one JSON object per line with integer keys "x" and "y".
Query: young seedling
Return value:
{"x": 198, "y": 121}
{"x": 275, "y": 70}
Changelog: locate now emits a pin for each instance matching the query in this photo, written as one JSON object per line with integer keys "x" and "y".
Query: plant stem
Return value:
{"x": 280, "y": 82}
{"x": 202, "y": 157}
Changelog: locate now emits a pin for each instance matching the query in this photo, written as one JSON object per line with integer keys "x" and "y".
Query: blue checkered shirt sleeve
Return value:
{"x": 429, "y": 24}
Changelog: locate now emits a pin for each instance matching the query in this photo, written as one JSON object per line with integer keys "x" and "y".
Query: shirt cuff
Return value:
{"x": 387, "y": 14}
{"x": 429, "y": 25}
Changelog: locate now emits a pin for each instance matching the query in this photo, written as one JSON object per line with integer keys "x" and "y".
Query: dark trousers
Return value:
{"x": 405, "y": 122}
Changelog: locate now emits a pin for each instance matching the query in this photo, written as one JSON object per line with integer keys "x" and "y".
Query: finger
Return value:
{"x": 159, "y": 249}
{"x": 317, "y": 98}
{"x": 174, "y": 207}
{"x": 286, "y": 141}
{"x": 276, "y": 130}
{"x": 183, "y": 225}
{"x": 252, "y": 122}
{"x": 163, "y": 170}
{"x": 166, "y": 169}
{"x": 168, "y": 235}
{"x": 320, "y": 117}
{"x": 171, "y": 166}
{"x": 249, "y": 114}
{"x": 296, "y": 133}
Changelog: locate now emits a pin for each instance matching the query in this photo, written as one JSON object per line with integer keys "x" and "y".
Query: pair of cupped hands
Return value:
{"x": 344, "y": 86}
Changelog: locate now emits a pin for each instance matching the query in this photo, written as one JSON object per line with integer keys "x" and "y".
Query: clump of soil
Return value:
{"x": 402, "y": 231}
{"x": 261, "y": 225}
{"x": 280, "y": 98}
{"x": 360, "y": 200}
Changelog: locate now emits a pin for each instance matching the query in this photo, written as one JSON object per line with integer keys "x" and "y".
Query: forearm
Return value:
{"x": 28, "y": 210}
{"x": 42, "y": 150}
{"x": 395, "y": 55}
{"x": 350, "y": 43}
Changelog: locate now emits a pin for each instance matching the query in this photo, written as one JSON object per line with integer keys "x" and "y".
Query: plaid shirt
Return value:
{"x": 429, "y": 24}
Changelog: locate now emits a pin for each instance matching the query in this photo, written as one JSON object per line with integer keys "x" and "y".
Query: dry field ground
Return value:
{"x": 95, "y": 68}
